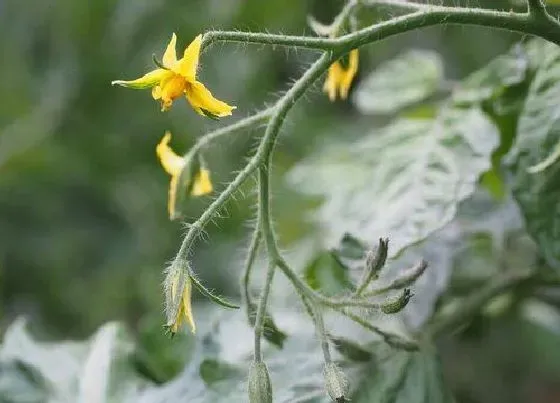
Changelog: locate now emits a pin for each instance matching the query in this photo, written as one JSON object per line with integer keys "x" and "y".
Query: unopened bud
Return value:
{"x": 409, "y": 276}
{"x": 260, "y": 390}
{"x": 375, "y": 260}
{"x": 336, "y": 383}
{"x": 396, "y": 304}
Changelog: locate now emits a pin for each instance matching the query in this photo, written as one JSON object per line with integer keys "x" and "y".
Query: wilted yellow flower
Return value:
{"x": 173, "y": 165}
{"x": 178, "y": 286}
{"x": 339, "y": 79}
{"x": 177, "y": 77}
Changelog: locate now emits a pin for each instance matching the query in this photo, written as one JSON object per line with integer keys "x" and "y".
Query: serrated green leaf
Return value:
{"x": 537, "y": 135}
{"x": 404, "y": 377}
{"x": 490, "y": 81}
{"x": 402, "y": 182}
{"x": 96, "y": 370}
{"x": 403, "y": 81}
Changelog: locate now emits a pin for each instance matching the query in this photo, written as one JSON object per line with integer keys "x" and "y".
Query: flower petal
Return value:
{"x": 170, "y": 56}
{"x": 189, "y": 63}
{"x": 332, "y": 80}
{"x": 202, "y": 184}
{"x": 187, "y": 308}
{"x": 171, "y": 162}
{"x": 348, "y": 75}
{"x": 172, "y": 196}
{"x": 203, "y": 101}
{"x": 147, "y": 80}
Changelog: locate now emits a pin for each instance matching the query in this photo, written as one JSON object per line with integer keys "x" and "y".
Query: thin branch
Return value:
{"x": 317, "y": 318}
{"x": 536, "y": 8}
{"x": 241, "y": 124}
{"x": 426, "y": 15}
{"x": 248, "y": 266}
{"x": 401, "y": 5}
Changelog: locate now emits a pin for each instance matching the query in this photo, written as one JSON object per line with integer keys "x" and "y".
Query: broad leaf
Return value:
{"x": 328, "y": 274}
{"x": 97, "y": 371}
{"x": 537, "y": 135}
{"x": 404, "y": 377}
{"x": 403, "y": 182}
{"x": 401, "y": 82}
{"x": 491, "y": 81}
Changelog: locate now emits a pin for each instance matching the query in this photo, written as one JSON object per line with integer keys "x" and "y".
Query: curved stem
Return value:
{"x": 248, "y": 266}
{"x": 317, "y": 318}
{"x": 241, "y": 124}
{"x": 310, "y": 42}
{"x": 544, "y": 26}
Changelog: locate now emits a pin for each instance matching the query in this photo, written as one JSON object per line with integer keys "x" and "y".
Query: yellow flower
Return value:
{"x": 175, "y": 78}
{"x": 173, "y": 165}
{"x": 178, "y": 287}
{"x": 340, "y": 79}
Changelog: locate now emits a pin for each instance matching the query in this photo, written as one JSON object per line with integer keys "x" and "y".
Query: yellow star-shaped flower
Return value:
{"x": 173, "y": 165}
{"x": 177, "y": 77}
{"x": 339, "y": 79}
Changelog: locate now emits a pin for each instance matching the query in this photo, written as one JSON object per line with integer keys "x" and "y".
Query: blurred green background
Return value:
{"x": 84, "y": 231}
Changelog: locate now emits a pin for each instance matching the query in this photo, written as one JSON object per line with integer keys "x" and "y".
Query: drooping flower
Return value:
{"x": 339, "y": 78}
{"x": 173, "y": 164}
{"x": 177, "y": 77}
{"x": 178, "y": 287}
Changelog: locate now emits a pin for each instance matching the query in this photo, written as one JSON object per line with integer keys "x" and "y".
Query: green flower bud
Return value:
{"x": 260, "y": 390}
{"x": 409, "y": 276}
{"x": 396, "y": 304}
{"x": 336, "y": 383}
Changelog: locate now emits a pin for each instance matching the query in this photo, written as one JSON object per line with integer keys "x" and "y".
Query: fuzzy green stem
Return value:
{"x": 241, "y": 124}
{"x": 270, "y": 243}
{"x": 317, "y": 318}
{"x": 248, "y": 266}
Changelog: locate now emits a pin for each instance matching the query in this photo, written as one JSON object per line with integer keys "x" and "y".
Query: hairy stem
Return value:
{"x": 317, "y": 317}
{"x": 248, "y": 266}
{"x": 241, "y": 124}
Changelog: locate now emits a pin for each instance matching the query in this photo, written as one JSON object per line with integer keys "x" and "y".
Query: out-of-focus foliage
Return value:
{"x": 84, "y": 230}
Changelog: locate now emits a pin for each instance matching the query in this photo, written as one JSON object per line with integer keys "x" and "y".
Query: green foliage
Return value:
{"x": 400, "y": 82}
{"x": 86, "y": 201}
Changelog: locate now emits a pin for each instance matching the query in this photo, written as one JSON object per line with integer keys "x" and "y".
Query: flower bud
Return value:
{"x": 336, "y": 383}
{"x": 375, "y": 260}
{"x": 396, "y": 304}
{"x": 409, "y": 276}
{"x": 260, "y": 390}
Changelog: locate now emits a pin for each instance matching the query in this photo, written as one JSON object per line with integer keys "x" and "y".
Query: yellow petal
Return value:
{"x": 148, "y": 80}
{"x": 202, "y": 184}
{"x": 202, "y": 100}
{"x": 348, "y": 75}
{"x": 332, "y": 80}
{"x": 156, "y": 92}
{"x": 172, "y": 88}
{"x": 171, "y": 162}
{"x": 172, "y": 196}
{"x": 189, "y": 63}
{"x": 170, "y": 57}
{"x": 187, "y": 308}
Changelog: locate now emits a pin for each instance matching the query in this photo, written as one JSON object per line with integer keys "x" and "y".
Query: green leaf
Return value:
{"x": 490, "y": 82}
{"x": 403, "y": 81}
{"x": 271, "y": 332}
{"x": 212, "y": 371}
{"x": 403, "y": 182}
{"x": 350, "y": 349}
{"x": 537, "y": 135}
{"x": 98, "y": 370}
{"x": 328, "y": 274}
{"x": 404, "y": 377}
{"x": 350, "y": 248}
